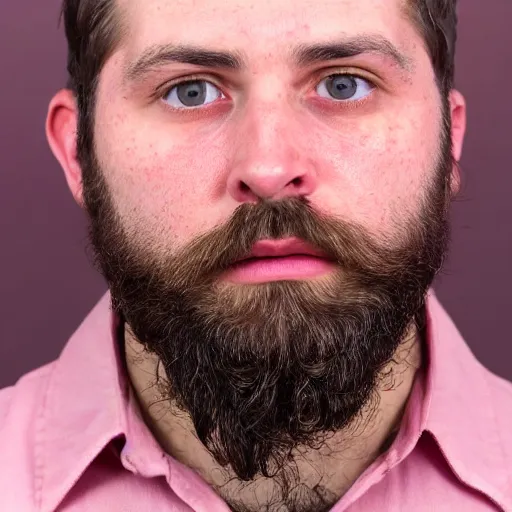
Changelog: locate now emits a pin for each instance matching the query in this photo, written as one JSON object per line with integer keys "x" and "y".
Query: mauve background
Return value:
{"x": 48, "y": 285}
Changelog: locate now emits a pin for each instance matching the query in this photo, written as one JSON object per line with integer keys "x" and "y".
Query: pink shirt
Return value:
{"x": 71, "y": 438}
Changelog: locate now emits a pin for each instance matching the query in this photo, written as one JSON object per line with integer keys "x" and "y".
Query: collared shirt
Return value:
{"x": 72, "y": 438}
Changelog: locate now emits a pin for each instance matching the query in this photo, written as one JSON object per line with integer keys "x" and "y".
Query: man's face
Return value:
{"x": 347, "y": 153}
{"x": 176, "y": 171}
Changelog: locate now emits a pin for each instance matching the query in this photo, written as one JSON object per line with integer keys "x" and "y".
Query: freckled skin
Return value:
{"x": 181, "y": 174}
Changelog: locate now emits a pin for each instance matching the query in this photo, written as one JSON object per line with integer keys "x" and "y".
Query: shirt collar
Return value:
{"x": 89, "y": 403}
{"x": 85, "y": 405}
{"x": 461, "y": 411}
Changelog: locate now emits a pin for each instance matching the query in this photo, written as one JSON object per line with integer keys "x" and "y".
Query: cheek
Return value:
{"x": 164, "y": 188}
{"x": 377, "y": 170}
{"x": 157, "y": 178}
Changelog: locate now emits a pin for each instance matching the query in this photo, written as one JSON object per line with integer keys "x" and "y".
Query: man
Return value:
{"x": 268, "y": 186}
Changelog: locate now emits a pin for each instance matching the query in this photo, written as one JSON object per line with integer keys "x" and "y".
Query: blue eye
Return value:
{"x": 197, "y": 93}
{"x": 344, "y": 87}
{"x": 194, "y": 93}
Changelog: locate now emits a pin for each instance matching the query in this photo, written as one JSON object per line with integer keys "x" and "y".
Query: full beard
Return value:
{"x": 264, "y": 368}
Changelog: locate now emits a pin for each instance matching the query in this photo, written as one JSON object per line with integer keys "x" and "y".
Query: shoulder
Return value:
{"x": 19, "y": 404}
{"x": 20, "y": 408}
{"x": 501, "y": 402}
{"x": 5, "y": 401}
{"x": 498, "y": 414}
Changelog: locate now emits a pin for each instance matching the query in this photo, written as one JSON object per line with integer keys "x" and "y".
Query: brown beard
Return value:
{"x": 262, "y": 369}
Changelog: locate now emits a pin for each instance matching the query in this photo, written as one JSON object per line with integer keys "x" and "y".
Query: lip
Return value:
{"x": 281, "y": 248}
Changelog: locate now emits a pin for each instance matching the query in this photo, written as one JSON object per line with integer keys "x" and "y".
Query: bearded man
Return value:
{"x": 268, "y": 187}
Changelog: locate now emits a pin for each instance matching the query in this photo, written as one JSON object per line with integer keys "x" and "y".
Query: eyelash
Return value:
{"x": 193, "y": 78}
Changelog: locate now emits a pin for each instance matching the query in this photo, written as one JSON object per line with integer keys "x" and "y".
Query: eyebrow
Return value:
{"x": 307, "y": 54}
{"x": 301, "y": 56}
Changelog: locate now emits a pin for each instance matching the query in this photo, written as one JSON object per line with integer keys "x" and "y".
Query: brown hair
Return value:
{"x": 94, "y": 29}
{"x": 436, "y": 21}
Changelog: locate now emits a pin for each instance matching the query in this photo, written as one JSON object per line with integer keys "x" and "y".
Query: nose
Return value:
{"x": 271, "y": 158}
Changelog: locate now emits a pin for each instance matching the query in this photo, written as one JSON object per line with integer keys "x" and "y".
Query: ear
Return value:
{"x": 61, "y": 132}
{"x": 458, "y": 117}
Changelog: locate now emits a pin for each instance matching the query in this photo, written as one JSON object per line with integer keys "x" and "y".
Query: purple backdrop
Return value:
{"x": 48, "y": 284}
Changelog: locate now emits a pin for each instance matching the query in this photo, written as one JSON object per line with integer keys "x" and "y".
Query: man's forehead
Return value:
{"x": 262, "y": 25}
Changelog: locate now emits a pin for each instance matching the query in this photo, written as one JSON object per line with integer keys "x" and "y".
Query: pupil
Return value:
{"x": 192, "y": 94}
{"x": 342, "y": 87}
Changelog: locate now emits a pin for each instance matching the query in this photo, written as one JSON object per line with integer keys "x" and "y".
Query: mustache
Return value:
{"x": 346, "y": 243}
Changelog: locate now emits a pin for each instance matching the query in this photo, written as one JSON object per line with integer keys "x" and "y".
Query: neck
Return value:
{"x": 332, "y": 468}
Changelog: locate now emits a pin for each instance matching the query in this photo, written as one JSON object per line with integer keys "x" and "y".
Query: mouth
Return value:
{"x": 283, "y": 248}
{"x": 285, "y": 259}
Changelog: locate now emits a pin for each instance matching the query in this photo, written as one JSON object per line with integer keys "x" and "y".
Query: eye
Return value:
{"x": 193, "y": 93}
{"x": 344, "y": 87}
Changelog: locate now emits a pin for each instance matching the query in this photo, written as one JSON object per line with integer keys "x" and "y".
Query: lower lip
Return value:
{"x": 260, "y": 270}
